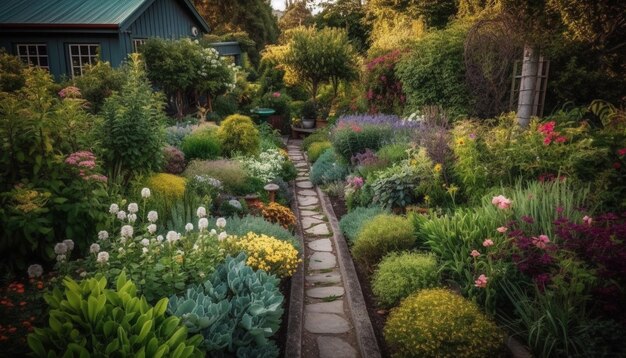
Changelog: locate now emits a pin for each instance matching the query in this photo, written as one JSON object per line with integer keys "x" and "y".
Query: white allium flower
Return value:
{"x": 127, "y": 231}
{"x": 132, "y": 218}
{"x": 221, "y": 223}
{"x": 201, "y": 212}
{"x": 60, "y": 258}
{"x": 196, "y": 247}
{"x": 133, "y": 208}
{"x": 144, "y": 250}
{"x": 189, "y": 227}
{"x": 113, "y": 209}
{"x": 103, "y": 257}
{"x": 83, "y": 274}
{"x": 222, "y": 236}
{"x": 35, "y": 270}
{"x": 60, "y": 248}
{"x": 122, "y": 240}
{"x": 159, "y": 239}
{"x": 103, "y": 235}
{"x": 203, "y": 223}
{"x": 180, "y": 252}
{"x": 94, "y": 248}
{"x": 213, "y": 232}
{"x": 145, "y": 193}
{"x": 153, "y": 216}
{"x": 70, "y": 244}
{"x": 121, "y": 215}
{"x": 152, "y": 228}
{"x": 172, "y": 237}
{"x": 145, "y": 242}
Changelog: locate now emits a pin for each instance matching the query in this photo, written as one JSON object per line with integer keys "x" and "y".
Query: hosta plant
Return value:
{"x": 237, "y": 310}
{"x": 88, "y": 319}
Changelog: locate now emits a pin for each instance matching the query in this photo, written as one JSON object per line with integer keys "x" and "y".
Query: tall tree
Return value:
{"x": 434, "y": 13}
{"x": 296, "y": 15}
{"x": 349, "y": 15}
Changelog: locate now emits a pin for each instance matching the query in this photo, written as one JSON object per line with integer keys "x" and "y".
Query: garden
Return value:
{"x": 152, "y": 210}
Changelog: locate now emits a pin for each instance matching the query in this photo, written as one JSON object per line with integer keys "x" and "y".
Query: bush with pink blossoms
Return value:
{"x": 173, "y": 160}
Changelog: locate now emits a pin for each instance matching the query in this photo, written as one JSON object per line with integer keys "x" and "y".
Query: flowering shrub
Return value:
{"x": 383, "y": 90}
{"x": 278, "y": 214}
{"x": 266, "y": 253}
{"x": 238, "y": 134}
{"x": 268, "y": 165}
{"x": 173, "y": 160}
{"x": 241, "y": 226}
{"x": 440, "y": 323}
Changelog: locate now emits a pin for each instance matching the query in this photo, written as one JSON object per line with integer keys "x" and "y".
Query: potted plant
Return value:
{"x": 308, "y": 114}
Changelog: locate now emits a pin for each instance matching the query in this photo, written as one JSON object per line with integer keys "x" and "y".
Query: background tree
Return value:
{"x": 296, "y": 15}
{"x": 349, "y": 15}
{"x": 434, "y": 13}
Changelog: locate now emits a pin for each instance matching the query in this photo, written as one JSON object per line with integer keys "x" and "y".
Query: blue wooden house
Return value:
{"x": 64, "y": 36}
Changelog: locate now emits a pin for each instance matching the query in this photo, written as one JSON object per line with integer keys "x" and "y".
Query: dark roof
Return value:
{"x": 104, "y": 14}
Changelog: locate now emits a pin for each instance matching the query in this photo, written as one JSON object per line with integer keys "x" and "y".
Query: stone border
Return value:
{"x": 293, "y": 344}
{"x": 364, "y": 332}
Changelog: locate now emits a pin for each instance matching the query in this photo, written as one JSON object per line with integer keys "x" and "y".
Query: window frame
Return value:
{"x": 26, "y": 58}
{"x": 82, "y": 65}
{"x": 137, "y": 41}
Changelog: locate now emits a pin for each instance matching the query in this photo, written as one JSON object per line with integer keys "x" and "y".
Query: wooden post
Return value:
{"x": 528, "y": 85}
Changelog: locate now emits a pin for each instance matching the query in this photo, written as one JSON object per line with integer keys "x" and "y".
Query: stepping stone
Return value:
{"x": 307, "y": 200}
{"x": 332, "y": 347}
{"x": 318, "y": 217}
{"x": 307, "y": 192}
{"x": 322, "y": 261}
{"x": 325, "y": 307}
{"x": 309, "y": 207}
{"x": 302, "y": 178}
{"x": 325, "y": 292}
{"x": 307, "y": 222}
{"x": 301, "y": 165}
{"x": 318, "y": 230}
{"x": 325, "y": 323}
{"x": 331, "y": 277}
{"x": 309, "y": 213}
{"x": 321, "y": 245}
{"x": 304, "y": 184}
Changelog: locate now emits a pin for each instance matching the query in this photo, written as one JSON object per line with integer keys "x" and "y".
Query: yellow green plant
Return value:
{"x": 278, "y": 214}
{"x": 266, "y": 253}
{"x": 440, "y": 323}
{"x": 167, "y": 186}
{"x": 239, "y": 134}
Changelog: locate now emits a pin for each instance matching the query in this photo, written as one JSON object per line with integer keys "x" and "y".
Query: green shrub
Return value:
{"x": 393, "y": 153}
{"x": 385, "y": 233}
{"x": 89, "y": 319}
{"x": 316, "y": 149}
{"x": 440, "y": 323}
{"x": 328, "y": 169}
{"x": 233, "y": 208}
{"x": 229, "y": 172}
{"x": 236, "y": 309}
{"x": 225, "y": 105}
{"x": 348, "y": 142}
{"x": 11, "y": 68}
{"x": 240, "y": 226}
{"x": 402, "y": 274}
{"x": 320, "y": 135}
{"x": 352, "y": 222}
{"x": 98, "y": 82}
{"x": 238, "y": 134}
{"x": 289, "y": 171}
{"x": 201, "y": 144}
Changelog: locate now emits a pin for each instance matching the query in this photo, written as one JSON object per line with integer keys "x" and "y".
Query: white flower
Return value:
{"x": 213, "y": 232}
{"x": 132, "y": 218}
{"x": 144, "y": 250}
{"x": 133, "y": 208}
{"x": 145, "y": 193}
{"x": 60, "y": 248}
{"x": 83, "y": 274}
{"x": 94, "y": 248}
{"x": 152, "y": 228}
{"x": 189, "y": 227}
{"x": 103, "y": 235}
{"x": 103, "y": 257}
{"x": 70, "y": 244}
{"x": 127, "y": 231}
{"x": 201, "y": 274}
{"x": 153, "y": 216}
{"x": 121, "y": 215}
{"x": 60, "y": 258}
{"x": 221, "y": 223}
{"x": 180, "y": 252}
{"x": 122, "y": 240}
{"x": 113, "y": 209}
{"x": 159, "y": 239}
{"x": 35, "y": 270}
{"x": 201, "y": 212}
{"x": 203, "y": 223}
{"x": 121, "y": 250}
{"x": 196, "y": 247}
{"x": 172, "y": 237}
{"x": 222, "y": 236}
{"x": 145, "y": 242}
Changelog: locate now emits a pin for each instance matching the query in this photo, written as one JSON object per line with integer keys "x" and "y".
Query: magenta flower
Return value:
{"x": 475, "y": 253}
{"x": 487, "y": 243}
{"x": 276, "y": 94}
{"x": 481, "y": 281}
{"x": 501, "y": 202}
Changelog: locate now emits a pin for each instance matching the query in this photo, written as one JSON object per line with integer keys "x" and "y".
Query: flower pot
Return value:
{"x": 308, "y": 123}
{"x": 276, "y": 121}
{"x": 321, "y": 123}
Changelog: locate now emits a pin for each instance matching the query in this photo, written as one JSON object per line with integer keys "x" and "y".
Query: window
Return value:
{"x": 81, "y": 56}
{"x": 137, "y": 44}
{"x": 34, "y": 54}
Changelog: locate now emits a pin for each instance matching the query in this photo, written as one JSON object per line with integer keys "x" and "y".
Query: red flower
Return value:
{"x": 547, "y": 140}
{"x": 622, "y": 152}
{"x": 561, "y": 139}
{"x": 617, "y": 165}
{"x": 547, "y": 128}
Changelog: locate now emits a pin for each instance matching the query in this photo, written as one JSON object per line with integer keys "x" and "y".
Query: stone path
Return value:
{"x": 328, "y": 327}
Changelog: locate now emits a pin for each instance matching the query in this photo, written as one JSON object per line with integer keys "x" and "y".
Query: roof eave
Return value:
{"x": 36, "y": 26}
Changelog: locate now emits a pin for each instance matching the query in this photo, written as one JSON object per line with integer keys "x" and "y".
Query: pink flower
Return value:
{"x": 547, "y": 128}
{"x": 502, "y": 229}
{"x": 487, "y": 243}
{"x": 481, "y": 281}
{"x": 561, "y": 139}
{"x": 622, "y": 152}
{"x": 475, "y": 253}
{"x": 501, "y": 202}
{"x": 547, "y": 140}
{"x": 541, "y": 241}
{"x": 276, "y": 94}
{"x": 587, "y": 220}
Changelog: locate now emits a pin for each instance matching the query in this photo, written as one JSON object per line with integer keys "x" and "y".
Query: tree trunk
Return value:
{"x": 528, "y": 85}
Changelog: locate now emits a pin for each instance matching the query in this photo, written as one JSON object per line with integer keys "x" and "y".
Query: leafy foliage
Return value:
{"x": 328, "y": 168}
{"x": 238, "y": 134}
{"x": 173, "y": 160}
{"x": 88, "y": 319}
{"x": 352, "y": 222}
{"x": 385, "y": 233}
{"x": 201, "y": 144}
{"x": 11, "y": 69}
{"x": 98, "y": 82}
{"x": 316, "y": 149}
{"x": 241, "y": 226}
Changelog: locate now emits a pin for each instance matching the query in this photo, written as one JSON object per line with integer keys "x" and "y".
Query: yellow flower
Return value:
{"x": 437, "y": 168}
